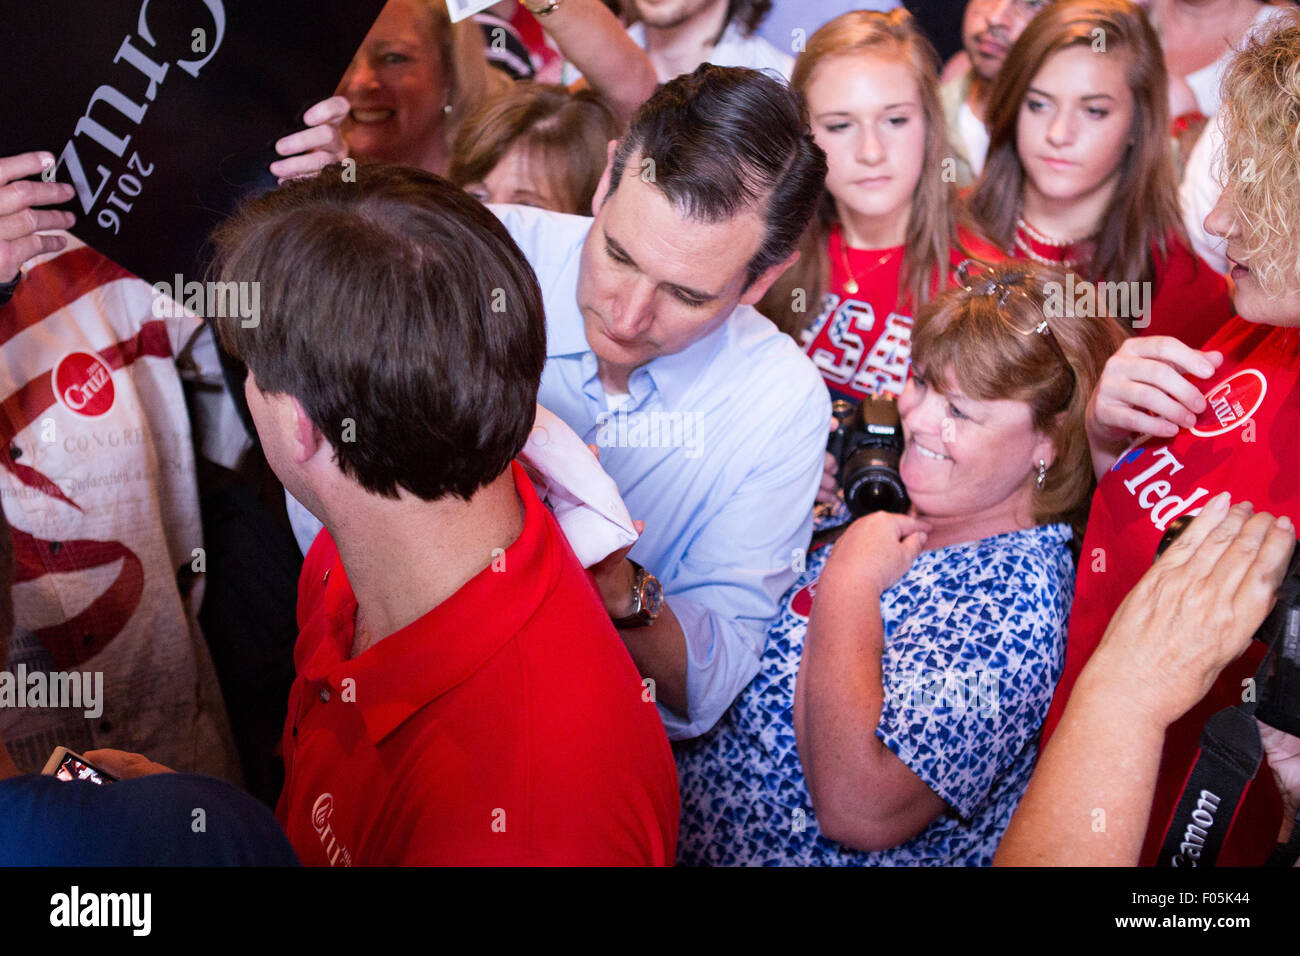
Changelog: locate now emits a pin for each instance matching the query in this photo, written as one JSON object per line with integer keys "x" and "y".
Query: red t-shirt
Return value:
{"x": 1240, "y": 444}
{"x": 1188, "y": 299}
{"x": 506, "y": 726}
{"x": 861, "y": 341}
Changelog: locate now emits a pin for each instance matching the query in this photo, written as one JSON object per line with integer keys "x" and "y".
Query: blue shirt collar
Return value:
{"x": 567, "y": 338}
{"x": 672, "y": 375}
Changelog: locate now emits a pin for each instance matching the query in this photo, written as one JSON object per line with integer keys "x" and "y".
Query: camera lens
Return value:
{"x": 872, "y": 483}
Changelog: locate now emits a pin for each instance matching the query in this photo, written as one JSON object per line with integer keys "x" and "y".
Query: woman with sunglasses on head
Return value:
{"x": 926, "y": 646}
{"x": 1080, "y": 176}
{"x": 1171, "y": 428}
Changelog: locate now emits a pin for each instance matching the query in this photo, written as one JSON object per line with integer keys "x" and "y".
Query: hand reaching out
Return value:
{"x": 1195, "y": 611}
{"x": 310, "y": 150}
{"x": 125, "y": 765}
{"x": 22, "y": 219}
{"x": 1283, "y": 752}
{"x": 1142, "y": 391}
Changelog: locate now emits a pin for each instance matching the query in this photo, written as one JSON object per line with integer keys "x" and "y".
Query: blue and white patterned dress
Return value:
{"x": 974, "y": 641}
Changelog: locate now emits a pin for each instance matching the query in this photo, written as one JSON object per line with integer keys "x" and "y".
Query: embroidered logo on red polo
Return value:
{"x": 321, "y": 812}
{"x": 1231, "y": 403}
{"x": 84, "y": 384}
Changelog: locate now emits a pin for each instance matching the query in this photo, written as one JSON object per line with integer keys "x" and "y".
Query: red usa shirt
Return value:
{"x": 861, "y": 341}
{"x": 1247, "y": 429}
{"x": 507, "y": 726}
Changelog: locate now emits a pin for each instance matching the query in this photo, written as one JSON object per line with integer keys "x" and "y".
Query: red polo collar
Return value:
{"x": 406, "y": 670}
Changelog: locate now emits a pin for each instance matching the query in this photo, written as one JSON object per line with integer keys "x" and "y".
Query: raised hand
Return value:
{"x": 310, "y": 150}
{"x": 21, "y": 218}
{"x": 1195, "y": 611}
{"x": 1142, "y": 391}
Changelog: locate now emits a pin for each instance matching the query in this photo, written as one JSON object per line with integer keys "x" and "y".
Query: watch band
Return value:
{"x": 647, "y": 598}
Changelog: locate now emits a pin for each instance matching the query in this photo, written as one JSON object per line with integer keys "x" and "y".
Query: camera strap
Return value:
{"x": 1229, "y": 757}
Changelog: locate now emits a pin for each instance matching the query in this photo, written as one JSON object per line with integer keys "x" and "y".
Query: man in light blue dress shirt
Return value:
{"x": 712, "y": 422}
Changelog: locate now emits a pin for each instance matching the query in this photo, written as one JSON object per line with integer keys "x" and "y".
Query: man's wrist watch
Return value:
{"x": 647, "y": 599}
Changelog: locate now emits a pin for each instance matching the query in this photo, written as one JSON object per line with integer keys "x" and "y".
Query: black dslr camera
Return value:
{"x": 867, "y": 445}
{"x": 1278, "y": 702}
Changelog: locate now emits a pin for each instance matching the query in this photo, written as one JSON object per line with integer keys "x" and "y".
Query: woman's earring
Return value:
{"x": 447, "y": 108}
{"x": 1042, "y": 472}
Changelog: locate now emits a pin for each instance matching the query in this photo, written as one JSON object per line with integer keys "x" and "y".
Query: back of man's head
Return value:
{"x": 403, "y": 318}
{"x": 723, "y": 140}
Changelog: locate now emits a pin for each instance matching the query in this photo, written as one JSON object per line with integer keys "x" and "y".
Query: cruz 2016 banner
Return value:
{"x": 163, "y": 113}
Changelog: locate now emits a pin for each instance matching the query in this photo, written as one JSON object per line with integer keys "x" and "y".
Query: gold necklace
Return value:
{"x": 851, "y": 287}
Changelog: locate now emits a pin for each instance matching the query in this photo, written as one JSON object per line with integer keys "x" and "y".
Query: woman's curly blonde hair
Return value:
{"x": 1261, "y": 125}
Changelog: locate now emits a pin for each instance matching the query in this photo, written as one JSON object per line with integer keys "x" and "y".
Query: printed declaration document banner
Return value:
{"x": 164, "y": 113}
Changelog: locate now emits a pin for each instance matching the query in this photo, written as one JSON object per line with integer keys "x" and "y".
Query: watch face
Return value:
{"x": 652, "y": 595}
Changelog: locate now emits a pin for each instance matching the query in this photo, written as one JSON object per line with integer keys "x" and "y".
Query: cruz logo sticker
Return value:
{"x": 802, "y": 602}
{"x": 1231, "y": 403}
{"x": 84, "y": 384}
{"x": 335, "y": 851}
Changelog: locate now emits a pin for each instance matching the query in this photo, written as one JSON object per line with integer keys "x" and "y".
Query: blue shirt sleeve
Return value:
{"x": 970, "y": 667}
{"x": 727, "y": 588}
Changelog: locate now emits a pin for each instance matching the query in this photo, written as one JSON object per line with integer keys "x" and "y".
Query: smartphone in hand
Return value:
{"x": 69, "y": 765}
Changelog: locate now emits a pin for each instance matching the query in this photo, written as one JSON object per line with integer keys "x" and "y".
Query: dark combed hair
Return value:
{"x": 724, "y": 140}
{"x": 398, "y": 303}
{"x": 748, "y": 13}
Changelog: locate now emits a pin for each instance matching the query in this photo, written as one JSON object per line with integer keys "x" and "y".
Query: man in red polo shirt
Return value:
{"x": 461, "y": 695}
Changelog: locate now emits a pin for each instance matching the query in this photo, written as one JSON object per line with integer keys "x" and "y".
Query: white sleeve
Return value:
{"x": 1200, "y": 190}
{"x": 305, "y": 524}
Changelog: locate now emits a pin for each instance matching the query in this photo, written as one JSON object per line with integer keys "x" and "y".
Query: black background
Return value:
{"x": 209, "y": 138}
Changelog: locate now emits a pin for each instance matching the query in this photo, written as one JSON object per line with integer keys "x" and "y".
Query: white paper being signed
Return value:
{"x": 460, "y": 9}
